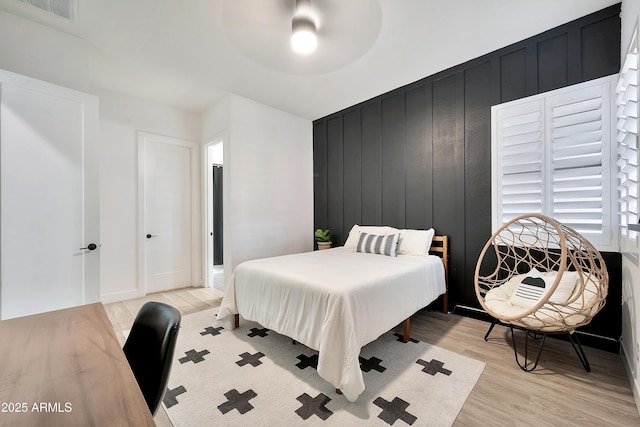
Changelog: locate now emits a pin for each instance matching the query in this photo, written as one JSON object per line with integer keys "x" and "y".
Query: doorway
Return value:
{"x": 214, "y": 257}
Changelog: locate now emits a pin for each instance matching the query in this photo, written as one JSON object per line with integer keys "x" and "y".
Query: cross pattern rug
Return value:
{"x": 253, "y": 376}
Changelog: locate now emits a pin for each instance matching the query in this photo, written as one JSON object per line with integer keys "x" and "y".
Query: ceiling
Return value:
{"x": 190, "y": 53}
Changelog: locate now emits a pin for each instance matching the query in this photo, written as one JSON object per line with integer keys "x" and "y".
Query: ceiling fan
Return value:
{"x": 263, "y": 30}
{"x": 303, "y": 28}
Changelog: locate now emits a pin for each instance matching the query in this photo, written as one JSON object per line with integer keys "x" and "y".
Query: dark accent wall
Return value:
{"x": 420, "y": 156}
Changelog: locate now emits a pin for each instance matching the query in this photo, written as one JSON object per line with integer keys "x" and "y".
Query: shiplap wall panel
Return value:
{"x": 335, "y": 181}
{"x": 512, "y": 75}
{"x": 372, "y": 169}
{"x": 553, "y": 63}
{"x": 477, "y": 135}
{"x": 393, "y": 172}
{"x": 352, "y": 170}
{"x": 448, "y": 157}
{"x": 320, "y": 185}
{"x": 597, "y": 41}
{"x": 417, "y": 158}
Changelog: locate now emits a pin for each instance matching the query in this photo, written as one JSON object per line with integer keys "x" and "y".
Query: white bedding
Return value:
{"x": 334, "y": 301}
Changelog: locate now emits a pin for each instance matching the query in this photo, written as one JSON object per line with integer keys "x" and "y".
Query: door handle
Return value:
{"x": 151, "y": 235}
{"x": 91, "y": 247}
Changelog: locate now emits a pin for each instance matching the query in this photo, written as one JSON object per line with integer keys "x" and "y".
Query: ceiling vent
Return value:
{"x": 63, "y": 8}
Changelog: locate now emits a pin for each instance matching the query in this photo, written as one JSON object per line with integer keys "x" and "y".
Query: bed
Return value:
{"x": 336, "y": 300}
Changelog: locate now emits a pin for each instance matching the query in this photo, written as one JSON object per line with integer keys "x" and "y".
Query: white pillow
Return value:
{"x": 566, "y": 286}
{"x": 415, "y": 242}
{"x": 352, "y": 239}
{"x": 535, "y": 285}
{"x": 378, "y": 244}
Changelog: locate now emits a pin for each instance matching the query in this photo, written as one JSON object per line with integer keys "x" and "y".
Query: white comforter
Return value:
{"x": 334, "y": 301}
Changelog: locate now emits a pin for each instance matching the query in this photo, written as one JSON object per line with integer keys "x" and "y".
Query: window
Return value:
{"x": 552, "y": 154}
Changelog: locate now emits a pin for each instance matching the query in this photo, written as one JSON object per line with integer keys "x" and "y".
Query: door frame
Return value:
{"x": 145, "y": 138}
{"x": 207, "y": 177}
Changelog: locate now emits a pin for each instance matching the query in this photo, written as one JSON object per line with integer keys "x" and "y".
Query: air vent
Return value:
{"x": 63, "y": 8}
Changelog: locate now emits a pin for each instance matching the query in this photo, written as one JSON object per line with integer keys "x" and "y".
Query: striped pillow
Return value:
{"x": 376, "y": 244}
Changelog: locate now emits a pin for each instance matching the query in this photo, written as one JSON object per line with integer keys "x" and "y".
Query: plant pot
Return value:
{"x": 324, "y": 245}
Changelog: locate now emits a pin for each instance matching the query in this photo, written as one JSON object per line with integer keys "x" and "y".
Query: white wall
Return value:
{"x": 43, "y": 53}
{"x": 268, "y": 199}
{"x": 215, "y": 120}
{"x": 121, "y": 118}
{"x": 630, "y": 340}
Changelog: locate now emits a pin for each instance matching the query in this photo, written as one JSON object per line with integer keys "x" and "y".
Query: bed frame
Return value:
{"x": 439, "y": 247}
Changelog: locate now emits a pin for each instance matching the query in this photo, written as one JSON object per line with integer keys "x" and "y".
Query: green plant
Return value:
{"x": 323, "y": 235}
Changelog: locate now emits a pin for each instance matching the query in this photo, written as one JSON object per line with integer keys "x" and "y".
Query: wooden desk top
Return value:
{"x": 66, "y": 368}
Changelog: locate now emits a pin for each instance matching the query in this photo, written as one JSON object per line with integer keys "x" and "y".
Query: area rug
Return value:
{"x": 252, "y": 376}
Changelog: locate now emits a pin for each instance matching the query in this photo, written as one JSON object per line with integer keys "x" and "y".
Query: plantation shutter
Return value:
{"x": 627, "y": 140}
{"x": 521, "y": 160}
{"x": 552, "y": 155}
{"x": 579, "y": 139}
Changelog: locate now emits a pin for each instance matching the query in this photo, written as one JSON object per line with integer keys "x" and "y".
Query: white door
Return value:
{"x": 48, "y": 197}
{"x": 167, "y": 198}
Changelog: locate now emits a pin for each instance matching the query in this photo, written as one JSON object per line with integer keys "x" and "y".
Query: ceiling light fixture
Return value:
{"x": 303, "y": 37}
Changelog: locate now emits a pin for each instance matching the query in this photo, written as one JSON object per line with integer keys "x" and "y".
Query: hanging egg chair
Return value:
{"x": 543, "y": 277}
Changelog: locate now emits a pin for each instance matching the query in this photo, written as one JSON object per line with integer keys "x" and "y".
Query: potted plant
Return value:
{"x": 323, "y": 237}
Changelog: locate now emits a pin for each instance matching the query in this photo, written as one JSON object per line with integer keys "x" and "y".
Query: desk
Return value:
{"x": 66, "y": 368}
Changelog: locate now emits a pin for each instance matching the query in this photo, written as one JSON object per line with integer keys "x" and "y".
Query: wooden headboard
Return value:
{"x": 440, "y": 247}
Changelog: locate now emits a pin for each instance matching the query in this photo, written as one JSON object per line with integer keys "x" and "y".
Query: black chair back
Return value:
{"x": 149, "y": 349}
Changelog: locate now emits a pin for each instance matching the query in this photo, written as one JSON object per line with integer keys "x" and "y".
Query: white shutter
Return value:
{"x": 551, "y": 154}
{"x": 627, "y": 144}
{"x": 579, "y": 139}
{"x": 520, "y": 160}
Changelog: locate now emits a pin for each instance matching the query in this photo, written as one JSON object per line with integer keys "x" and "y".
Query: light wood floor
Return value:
{"x": 559, "y": 393}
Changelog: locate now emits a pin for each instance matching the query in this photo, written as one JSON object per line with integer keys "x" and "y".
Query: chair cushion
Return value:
{"x": 553, "y": 317}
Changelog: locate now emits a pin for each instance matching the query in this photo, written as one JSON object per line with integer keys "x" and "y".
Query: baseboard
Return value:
{"x": 475, "y": 313}
{"x": 119, "y": 296}
{"x": 587, "y": 339}
{"x": 633, "y": 381}
{"x": 131, "y": 294}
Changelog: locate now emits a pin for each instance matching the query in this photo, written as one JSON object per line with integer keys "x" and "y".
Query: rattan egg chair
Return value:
{"x": 542, "y": 277}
